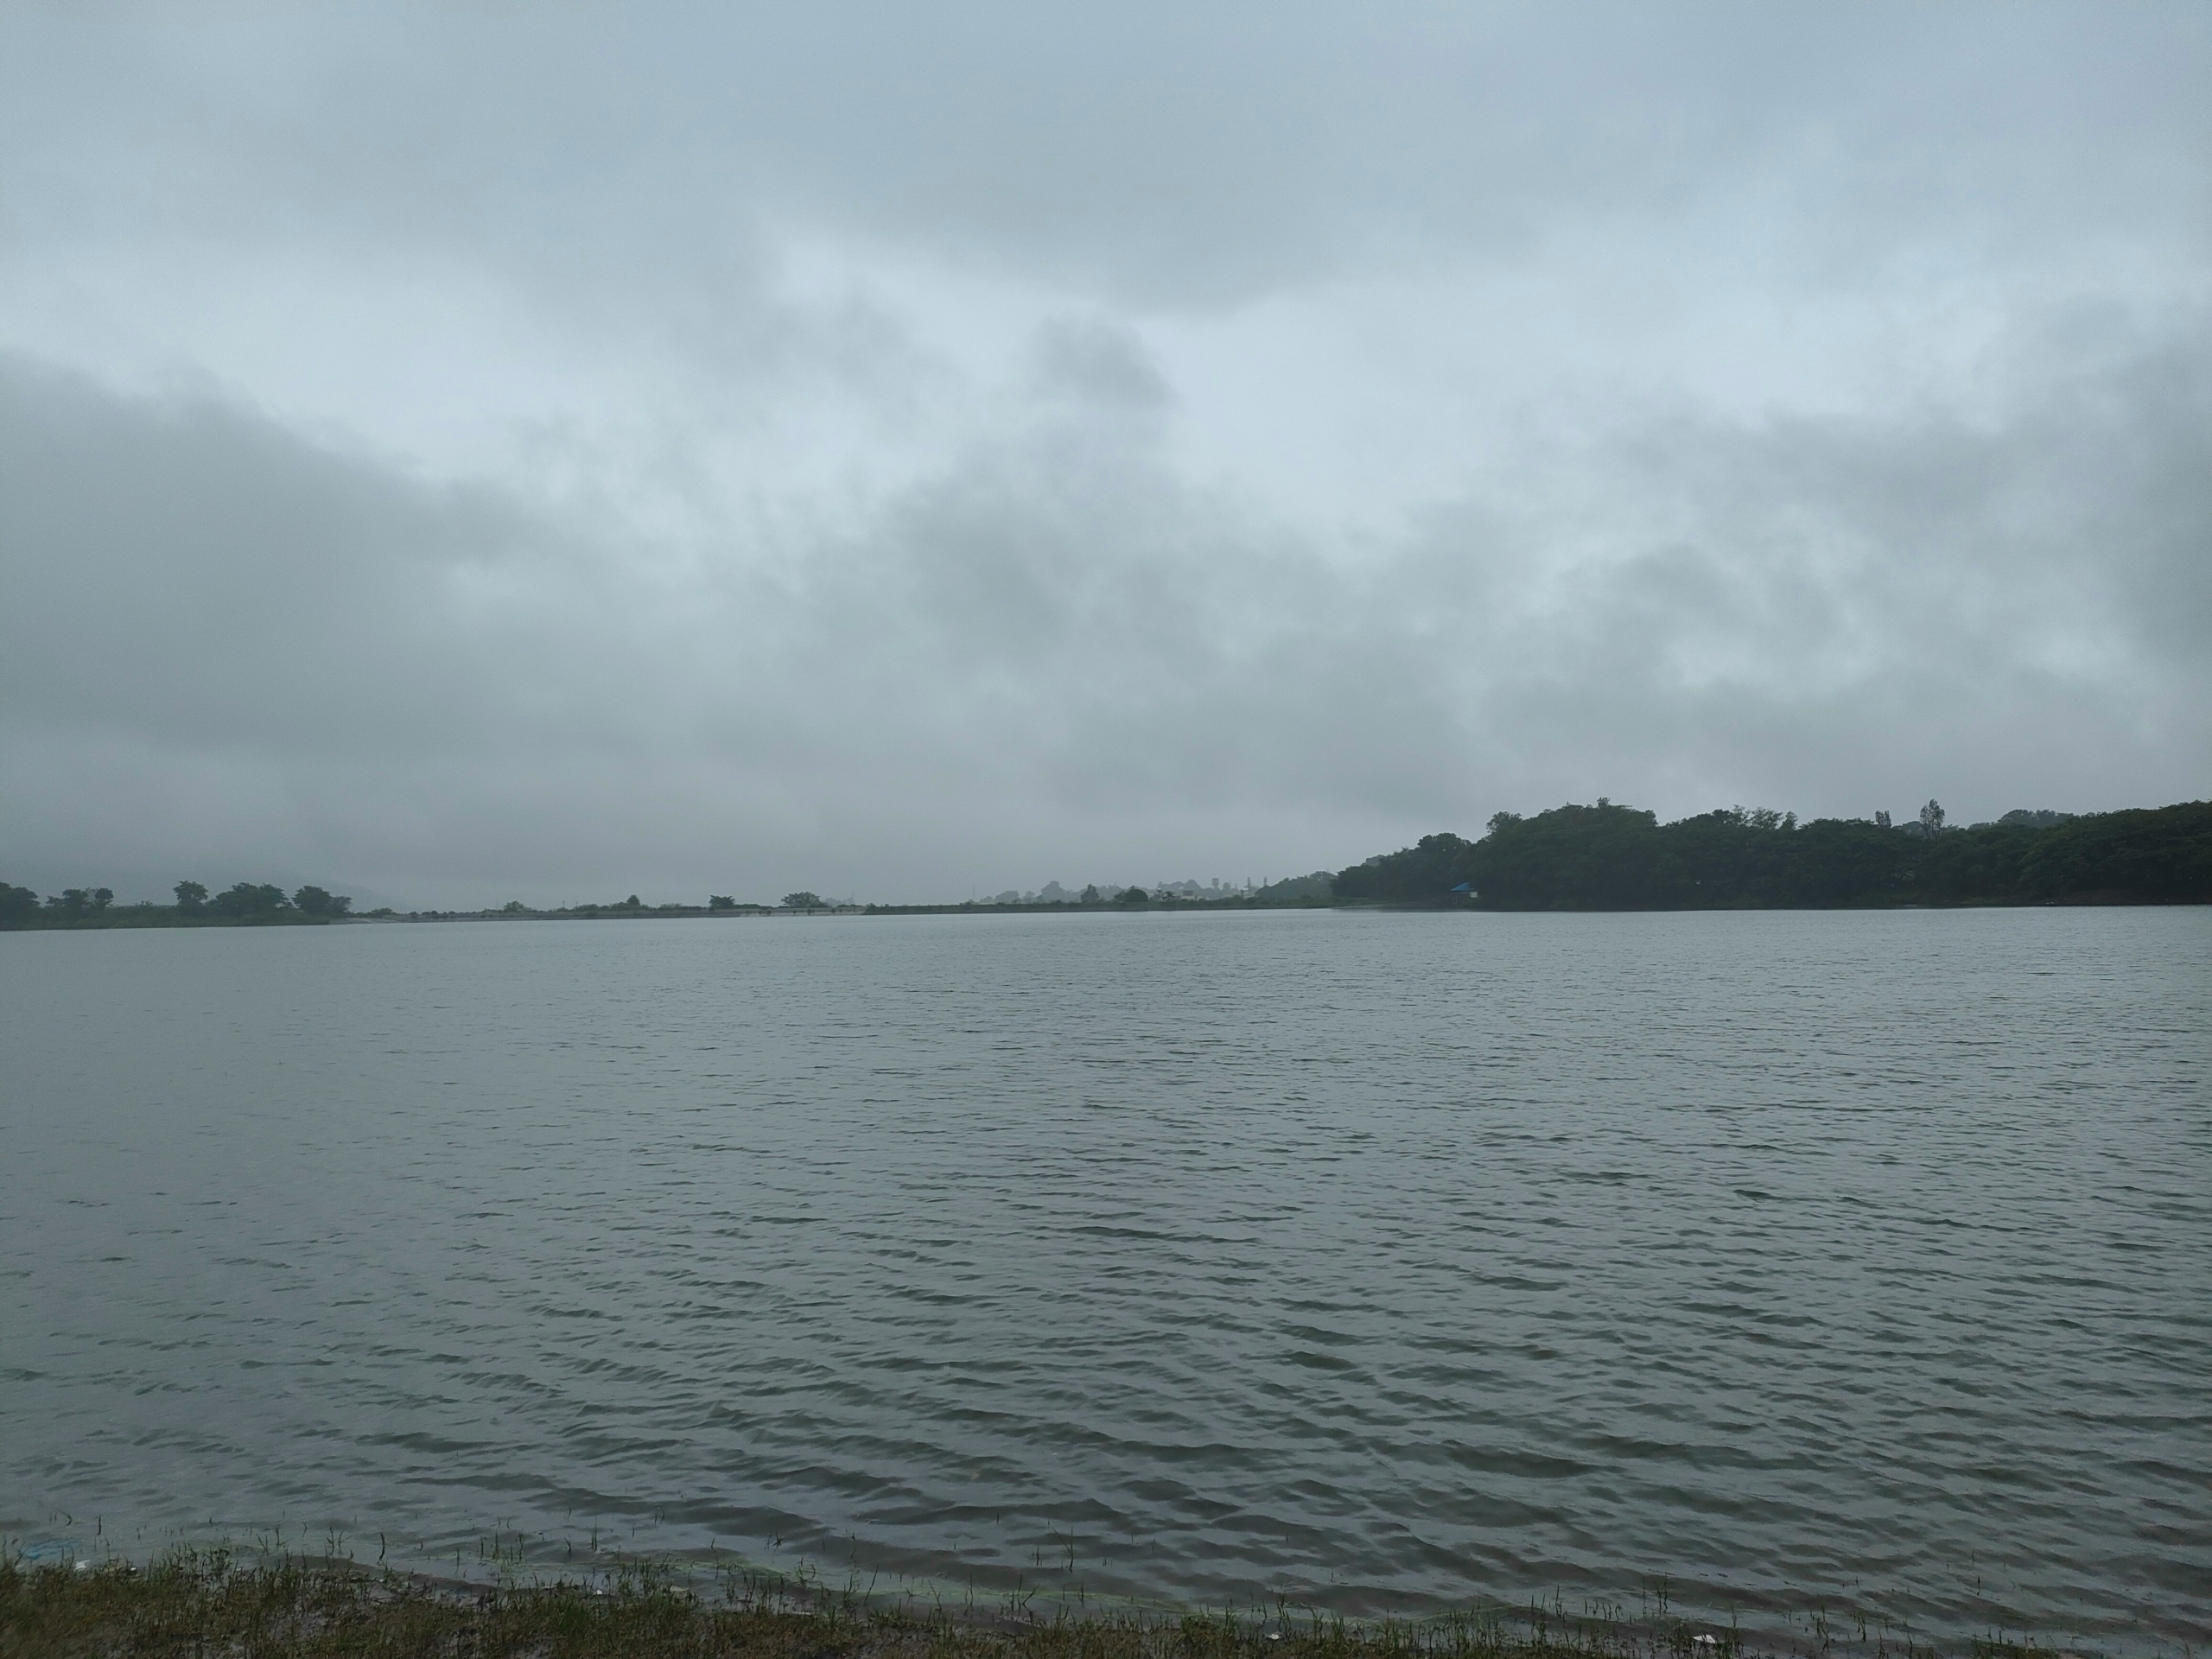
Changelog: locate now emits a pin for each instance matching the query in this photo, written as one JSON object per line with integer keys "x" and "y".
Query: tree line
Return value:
{"x": 1613, "y": 857}
{"x": 1600, "y": 857}
{"x": 245, "y": 903}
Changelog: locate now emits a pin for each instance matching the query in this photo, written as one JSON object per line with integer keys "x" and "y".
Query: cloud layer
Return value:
{"x": 489, "y": 455}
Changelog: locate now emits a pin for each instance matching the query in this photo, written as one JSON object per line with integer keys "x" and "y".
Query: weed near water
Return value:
{"x": 207, "y": 1604}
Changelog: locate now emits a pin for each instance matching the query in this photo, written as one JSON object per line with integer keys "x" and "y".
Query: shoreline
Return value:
{"x": 121, "y": 919}
{"x": 278, "y": 1607}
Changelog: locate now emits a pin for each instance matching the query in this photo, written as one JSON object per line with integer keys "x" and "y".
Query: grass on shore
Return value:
{"x": 206, "y": 1606}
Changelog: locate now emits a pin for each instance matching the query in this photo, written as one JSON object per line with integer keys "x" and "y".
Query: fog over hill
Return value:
{"x": 475, "y": 454}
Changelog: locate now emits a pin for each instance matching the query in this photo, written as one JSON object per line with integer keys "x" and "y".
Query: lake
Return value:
{"x": 1798, "y": 1260}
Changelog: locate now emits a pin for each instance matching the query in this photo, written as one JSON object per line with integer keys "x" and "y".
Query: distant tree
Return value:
{"x": 1426, "y": 870}
{"x": 249, "y": 898}
{"x": 311, "y": 901}
{"x": 803, "y": 900}
{"x": 1570, "y": 858}
{"x": 721, "y": 901}
{"x": 632, "y": 902}
{"x": 2163, "y": 853}
{"x": 1131, "y": 896}
{"x": 191, "y": 898}
{"x": 71, "y": 902}
{"x": 1091, "y": 895}
{"x": 103, "y": 897}
{"x": 514, "y": 907}
{"x": 1616, "y": 857}
{"x": 17, "y": 903}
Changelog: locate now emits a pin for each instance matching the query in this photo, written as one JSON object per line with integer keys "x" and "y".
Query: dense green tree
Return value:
{"x": 1572, "y": 857}
{"x": 191, "y": 898}
{"x": 1614, "y": 857}
{"x": 1426, "y": 870}
{"x": 1132, "y": 896}
{"x": 2161, "y": 853}
{"x": 721, "y": 901}
{"x": 803, "y": 900}
{"x": 17, "y": 903}
{"x": 318, "y": 901}
{"x": 249, "y": 898}
{"x": 1847, "y": 862}
{"x": 74, "y": 904}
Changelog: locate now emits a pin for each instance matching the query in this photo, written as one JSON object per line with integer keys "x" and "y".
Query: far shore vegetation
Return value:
{"x": 1603, "y": 857}
{"x": 1613, "y": 857}
{"x": 210, "y": 1603}
{"x": 247, "y": 904}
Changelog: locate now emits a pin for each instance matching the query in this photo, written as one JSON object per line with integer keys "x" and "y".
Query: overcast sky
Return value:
{"x": 490, "y": 451}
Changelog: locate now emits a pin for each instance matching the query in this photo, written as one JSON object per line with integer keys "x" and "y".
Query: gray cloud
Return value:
{"x": 1158, "y": 150}
{"x": 1057, "y": 653}
{"x": 466, "y": 454}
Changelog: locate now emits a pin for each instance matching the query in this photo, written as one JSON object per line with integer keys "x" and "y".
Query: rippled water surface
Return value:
{"x": 1375, "y": 1261}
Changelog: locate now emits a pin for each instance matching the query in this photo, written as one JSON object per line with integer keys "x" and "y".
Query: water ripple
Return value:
{"x": 1377, "y": 1261}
